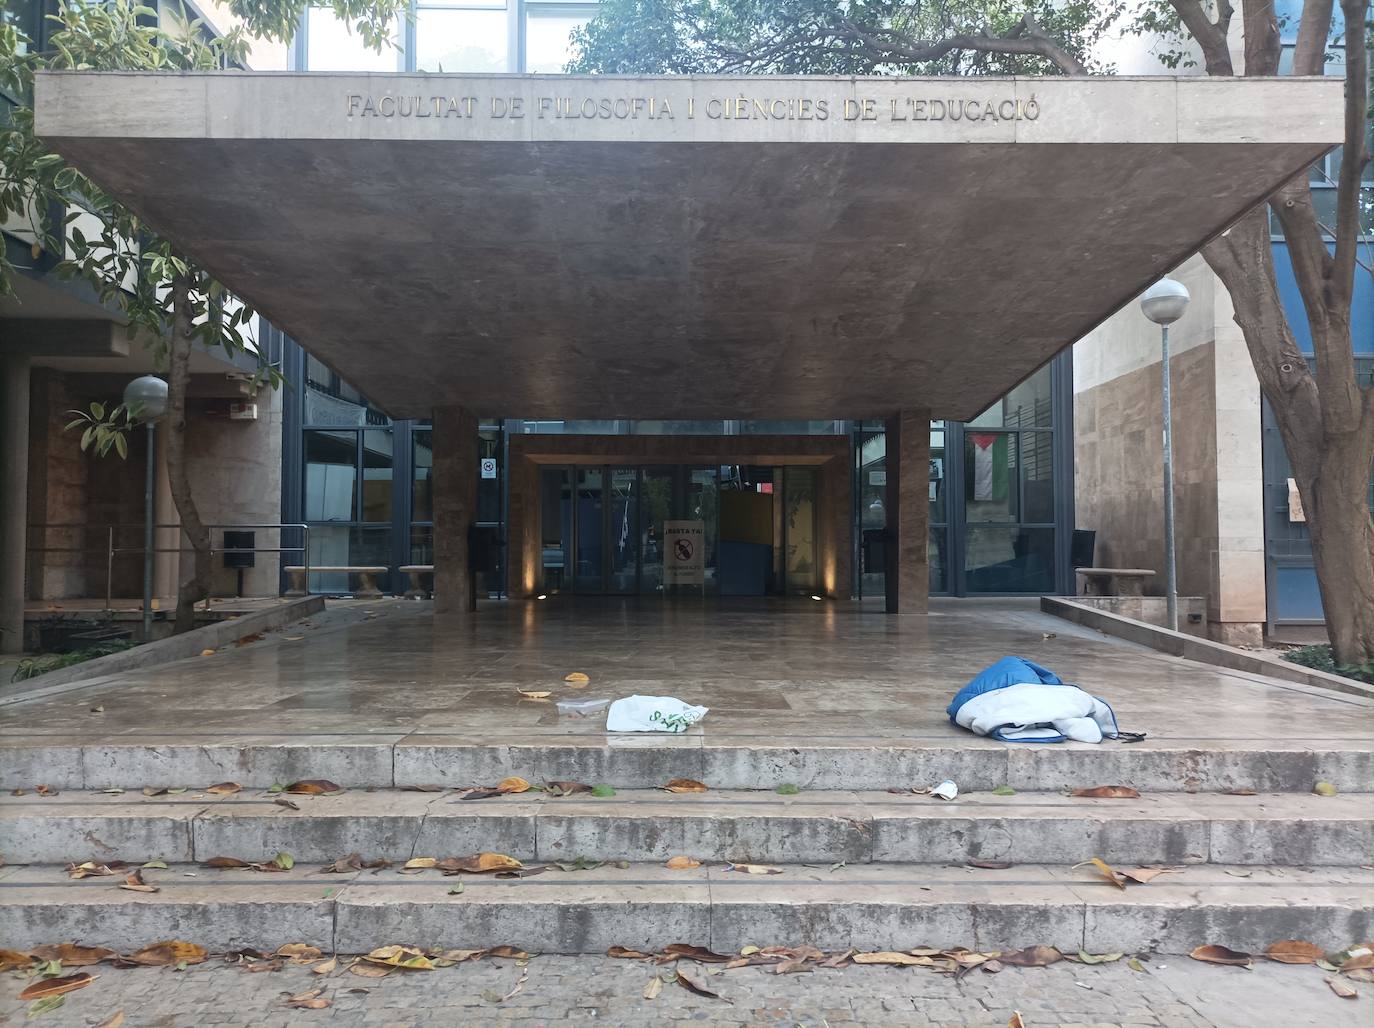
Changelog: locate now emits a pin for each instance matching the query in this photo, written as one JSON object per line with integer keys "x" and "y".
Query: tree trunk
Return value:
{"x": 196, "y": 586}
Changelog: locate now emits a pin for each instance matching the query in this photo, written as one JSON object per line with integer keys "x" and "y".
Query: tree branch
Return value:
{"x": 1211, "y": 36}
{"x": 1025, "y": 37}
{"x": 1354, "y": 152}
{"x": 1314, "y": 30}
{"x": 1262, "y": 46}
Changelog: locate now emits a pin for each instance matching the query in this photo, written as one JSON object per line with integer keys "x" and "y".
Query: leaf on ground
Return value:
{"x": 681, "y": 863}
{"x": 754, "y": 869}
{"x": 1240, "y": 792}
{"x": 565, "y": 788}
{"x": 449, "y": 957}
{"x": 1222, "y": 955}
{"x": 535, "y": 694}
{"x": 72, "y": 955}
{"x": 1358, "y": 962}
{"x": 1135, "y": 965}
{"x": 654, "y": 987}
{"x": 682, "y": 950}
{"x": 312, "y": 1000}
{"x": 456, "y": 889}
{"x": 285, "y": 861}
{"x": 12, "y": 958}
{"x": 224, "y": 789}
{"x": 991, "y": 966}
{"x": 225, "y": 862}
{"x": 422, "y": 788}
{"x": 892, "y": 957}
{"x": 57, "y": 986}
{"x": 115, "y": 1020}
{"x": 692, "y": 986}
{"x": 1238, "y": 872}
{"x": 326, "y": 966}
{"x": 1324, "y": 789}
{"x": 838, "y": 959}
{"x": 168, "y": 953}
{"x": 160, "y": 865}
{"x": 577, "y": 679}
{"x": 134, "y": 882}
{"x": 627, "y": 954}
{"x": 602, "y": 791}
{"x": 988, "y": 865}
{"x": 406, "y": 957}
{"x": 42, "y": 1006}
{"x": 314, "y": 787}
{"x": 365, "y": 970}
{"x": 1361, "y": 974}
{"x": 1107, "y": 872}
{"x": 207, "y": 652}
{"x": 1107, "y": 792}
{"x": 506, "y": 953}
{"x": 787, "y": 789}
{"x": 263, "y": 966}
{"x": 1294, "y": 951}
{"x": 513, "y": 784}
{"x": 89, "y": 869}
{"x": 479, "y": 794}
{"x": 1341, "y": 989}
{"x": 344, "y": 865}
{"x": 478, "y": 863}
{"x": 299, "y": 952}
{"x": 686, "y": 785}
{"x": 1016, "y": 1021}
{"x": 285, "y": 803}
{"x": 1004, "y": 790}
{"x": 1084, "y": 957}
{"x": 417, "y": 864}
{"x": 251, "y": 637}
{"x": 1031, "y": 956}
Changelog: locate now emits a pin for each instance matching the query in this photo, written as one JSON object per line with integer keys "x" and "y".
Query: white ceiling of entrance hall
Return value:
{"x": 690, "y": 268}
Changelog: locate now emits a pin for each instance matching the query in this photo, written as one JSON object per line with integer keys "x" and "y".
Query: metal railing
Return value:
{"x": 111, "y": 550}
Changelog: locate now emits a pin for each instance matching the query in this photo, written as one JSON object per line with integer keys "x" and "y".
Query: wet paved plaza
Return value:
{"x": 780, "y": 672}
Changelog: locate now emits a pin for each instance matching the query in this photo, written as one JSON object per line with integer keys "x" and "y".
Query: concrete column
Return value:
{"x": 908, "y": 512}
{"x": 14, "y": 497}
{"x": 455, "y": 508}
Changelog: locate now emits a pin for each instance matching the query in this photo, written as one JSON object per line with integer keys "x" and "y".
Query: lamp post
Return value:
{"x": 146, "y": 398}
{"x": 1164, "y": 303}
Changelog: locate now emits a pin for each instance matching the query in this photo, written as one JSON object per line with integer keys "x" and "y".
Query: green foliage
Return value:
{"x": 830, "y": 37}
{"x": 1320, "y": 658}
{"x": 373, "y": 21}
{"x": 32, "y": 667}
{"x": 102, "y": 432}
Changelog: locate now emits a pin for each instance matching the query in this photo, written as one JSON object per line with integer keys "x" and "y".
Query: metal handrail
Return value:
{"x": 110, "y": 549}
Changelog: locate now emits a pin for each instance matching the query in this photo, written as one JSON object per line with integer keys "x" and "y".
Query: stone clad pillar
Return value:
{"x": 455, "y": 508}
{"x": 908, "y": 512}
{"x": 14, "y": 497}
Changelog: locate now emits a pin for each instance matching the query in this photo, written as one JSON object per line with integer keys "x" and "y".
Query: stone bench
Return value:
{"x": 367, "y": 578}
{"x": 1113, "y": 581}
{"x": 415, "y": 587}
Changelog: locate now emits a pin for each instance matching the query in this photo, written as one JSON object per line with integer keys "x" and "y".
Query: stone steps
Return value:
{"x": 723, "y": 761}
{"x": 645, "y": 906}
{"x": 652, "y": 825}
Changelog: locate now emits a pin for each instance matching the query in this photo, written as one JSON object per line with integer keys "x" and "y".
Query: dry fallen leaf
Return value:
{"x": 1146, "y": 875}
{"x": 400, "y": 956}
{"x": 70, "y": 954}
{"x": 314, "y": 787}
{"x": 686, "y": 785}
{"x": 115, "y": 1020}
{"x": 311, "y": 1000}
{"x": 57, "y": 986}
{"x": 535, "y": 694}
{"x": 577, "y": 679}
{"x": 692, "y": 986}
{"x": 1222, "y": 955}
{"x": 420, "y": 864}
{"x": 680, "y": 950}
{"x": 1239, "y": 792}
{"x": 285, "y": 803}
{"x": 326, "y": 966}
{"x": 988, "y": 865}
{"x": 299, "y": 952}
{"x": 479, "y": 863}
{"x": 207, "y": 652}
{"x": 12, "y": 958}
{"x": 654, "y": 987}
{"x": 365, "y": 970}
{"x": 224, "y": 789}
{"x": 626, "y": 954}
{"x": 225, "y": 862}
{"x": 565, "y": 788}
{"x": 513, "y": 784}
{"x": 1031, "y": 956}
{"x": 1107, "y": 792}
{"x": 892, "y": 957}
{"x": 754, "y": 869}
{"x": 90, "y": 869}
{"x": 681, "y": 863}
{"x": 1016, "y": 1021}
{"x": 1358, "y": 961}
{"x": 168, "y": 954}
{"x": 1338, "y": 987}
{"x": 1108, "y": 872}
{"x": 134, "y": 882}
{"x": 1294, "y": 951}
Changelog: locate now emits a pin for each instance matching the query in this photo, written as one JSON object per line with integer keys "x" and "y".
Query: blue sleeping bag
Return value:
{"x": 1007, "y": 671}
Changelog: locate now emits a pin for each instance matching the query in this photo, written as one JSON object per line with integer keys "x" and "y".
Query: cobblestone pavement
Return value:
{"x": 1173, "y": 992}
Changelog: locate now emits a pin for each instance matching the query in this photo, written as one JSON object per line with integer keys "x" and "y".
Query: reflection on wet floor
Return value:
{"x": 781, "y": 670}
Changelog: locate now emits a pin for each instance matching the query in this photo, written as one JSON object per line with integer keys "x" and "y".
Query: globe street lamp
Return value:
{"x": 1164, "y": 303}
{"x": 146, "y": 399}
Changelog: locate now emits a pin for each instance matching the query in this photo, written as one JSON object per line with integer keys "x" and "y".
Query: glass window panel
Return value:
{"x": 377, "y": 460}
{"x": 799, "y": 512}
{"x": 331, "y": 473}
{"x": 590, "y": 508}
{"x": 792, "y": 427}
{"x": 332, "y": 46}
{"x": 1009, "y": 559}
{"x": 489, "y": 489}
{"x": 989, "y": 476}
{"x": 1037, "y": 477}
{"x": 547, "y": 49}
{"x": 624, "y": 508}
{"x": 938, "y": 570}
{"x": 1026, "y": 406}
{"x": 555, "y": 526}
{"x": 342, "y": 546}
{"x": 422, "y": 476}
{"x": 677, "y": 428}
{"x": 422, "y": 544}
{"x": 938, "y": 477}
{"x": 703, "y": 504}
{"x": 450, "y": 40}
{"x": 657, "y": 504}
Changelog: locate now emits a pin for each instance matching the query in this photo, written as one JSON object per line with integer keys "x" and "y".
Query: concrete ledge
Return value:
{"x": 178, "y": 647}
{"x": 1180, "y": 644}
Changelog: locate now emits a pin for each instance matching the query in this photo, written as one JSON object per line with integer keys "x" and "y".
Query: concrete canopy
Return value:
{"x": 564, "y": 247}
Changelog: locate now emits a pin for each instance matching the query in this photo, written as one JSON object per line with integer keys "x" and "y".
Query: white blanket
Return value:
{"x": 1032, "y": 712}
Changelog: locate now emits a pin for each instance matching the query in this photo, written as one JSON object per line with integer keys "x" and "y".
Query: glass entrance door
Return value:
{"x": 589, "y": 532}
{"x": 622, "y": 525}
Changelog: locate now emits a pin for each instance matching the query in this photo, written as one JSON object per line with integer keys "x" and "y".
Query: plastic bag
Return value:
{"x": 652, "y": 714}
